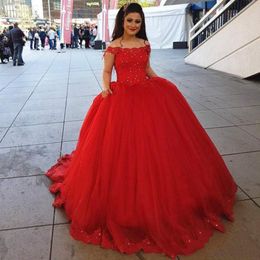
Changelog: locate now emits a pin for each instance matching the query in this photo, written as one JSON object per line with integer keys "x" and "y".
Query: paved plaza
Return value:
{"x": 42, "y": 106}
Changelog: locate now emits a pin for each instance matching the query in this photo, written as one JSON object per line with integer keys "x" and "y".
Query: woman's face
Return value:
{"x": 132, "y": 23}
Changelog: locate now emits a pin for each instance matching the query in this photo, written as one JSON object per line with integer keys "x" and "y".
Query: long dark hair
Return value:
{"x": 122, "y": 13}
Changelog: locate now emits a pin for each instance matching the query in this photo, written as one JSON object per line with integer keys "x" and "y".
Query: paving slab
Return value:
{"x": 60, "y": 217}
{"x": 50, "y": 88}
{"x": 86, "y": 74}
{"x": 98, "y": 75}
{"x": 78, "y": 90}
{"x": 235, "y": 88}
{"x": 25, "y": 244}
{"x": 77, "y": 107}
{"x": 71, "y": 130}
{"x": 56, "y": 85}
{"x": 33, "y": 134}
{"x": 230, "y": 101}
{"x": 241, "y": 115}
{"x": 54, "y": 81}
{"x": 246, "y": 168}
{"x": 230, "y": 140}
{"x": 252, "y": 129}
{"x": 2, "y": 132}
{"x": 39, "y": 104}
{"x": 9, "y": 107}
{"x": 257, "y": 201}
{"x": 6, "y": 119}
{"x": 241, "y": 240}
{"x": 68, "y": 147}
{"x": 28, "y": 160}
{"x": 209, "y": 119}
{"x": 25, "y": 84}
{"x": 17, "y": 91}
{"x": 198, "y": 91}
{"x": 48, "y": 95}
{"x": 195, "y": 106}
{"x": 14, "y": 98}
{"x": 54, "y": 76}
{"x": 240, "y": 195}
{"x": 26, "y": 81}
{"x": 26, "y": 202}
{"x": 44, "y": 116}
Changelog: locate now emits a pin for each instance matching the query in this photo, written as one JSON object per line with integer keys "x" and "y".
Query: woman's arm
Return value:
{"x": 149, "y": 71}
{"x": 107, "y": 71}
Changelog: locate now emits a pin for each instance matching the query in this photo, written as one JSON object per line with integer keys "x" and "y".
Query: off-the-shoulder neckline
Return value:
{"x": 125, "y": 48}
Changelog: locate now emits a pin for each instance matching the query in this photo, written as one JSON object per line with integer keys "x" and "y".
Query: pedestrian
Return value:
{"x": 31, "y": 33}
{"x": 51, "y": 36}
{"x": 93, "y": 35}
{"x": 76, "y": 36}
{"x": 86, "y": 36}
{"x": 81, "y": 35}
{"x": 42, "y": 35}
{"x": 144, "y": 175}
{"x": 18, "y": 39}
{"x": 5, "y": 51}
{"x": 36, "y": 40}
{"x": 10, "y": 42}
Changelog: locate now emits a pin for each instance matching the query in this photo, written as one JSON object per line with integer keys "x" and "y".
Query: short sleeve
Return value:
{"x": 112, "y": 50}
{"x": 148, "y": 48}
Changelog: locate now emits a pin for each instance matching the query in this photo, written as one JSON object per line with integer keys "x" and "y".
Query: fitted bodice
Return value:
{"x": 130, "y": 63}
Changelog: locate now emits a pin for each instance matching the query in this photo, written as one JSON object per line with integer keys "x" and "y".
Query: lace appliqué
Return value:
{"x": 115, "y": 50}
{"x": 112, "y": 50}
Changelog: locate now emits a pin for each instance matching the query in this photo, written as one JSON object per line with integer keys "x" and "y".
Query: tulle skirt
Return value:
{"x": 144, "y": 175}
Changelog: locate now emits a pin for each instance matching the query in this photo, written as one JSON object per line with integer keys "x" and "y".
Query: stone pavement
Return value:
{"x": 42, "y": 106}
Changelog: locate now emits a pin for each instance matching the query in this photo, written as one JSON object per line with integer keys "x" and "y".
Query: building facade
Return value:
{"x": 81, "y": 8}
{"x": 37, "y": 9}
{"x": 19, "y": 9}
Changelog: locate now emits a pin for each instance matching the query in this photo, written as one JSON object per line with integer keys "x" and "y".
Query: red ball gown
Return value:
{"x": 144, "y": 175}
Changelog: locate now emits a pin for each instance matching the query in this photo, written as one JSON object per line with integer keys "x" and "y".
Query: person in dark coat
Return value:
{"x": 17, "y": 36}
{"x": 81, "y": 35}
{"x": 75, "y": 36}
{"x": 10, "y": 42}
{"x": 86, "y": 36}
{"x": 4, "y": 55}
{"x": 42, "y": 35}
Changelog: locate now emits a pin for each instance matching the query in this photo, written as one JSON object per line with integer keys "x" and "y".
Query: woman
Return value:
{"x": 144, "y": 175}
{"x": 5, "y": 51}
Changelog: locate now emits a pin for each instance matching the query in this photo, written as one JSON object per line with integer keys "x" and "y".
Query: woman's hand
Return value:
{"x": 106, "y": 92}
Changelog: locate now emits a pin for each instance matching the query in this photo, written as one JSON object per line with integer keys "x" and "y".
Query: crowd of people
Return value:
{"x": 12, "y": 40}
{"x": 41, "y": 37}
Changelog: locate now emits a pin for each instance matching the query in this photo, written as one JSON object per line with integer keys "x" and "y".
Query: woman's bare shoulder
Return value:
{"x": 146, "y": 42}
{"x": 142, "y": 41}
{"x": 115, "y": 43}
